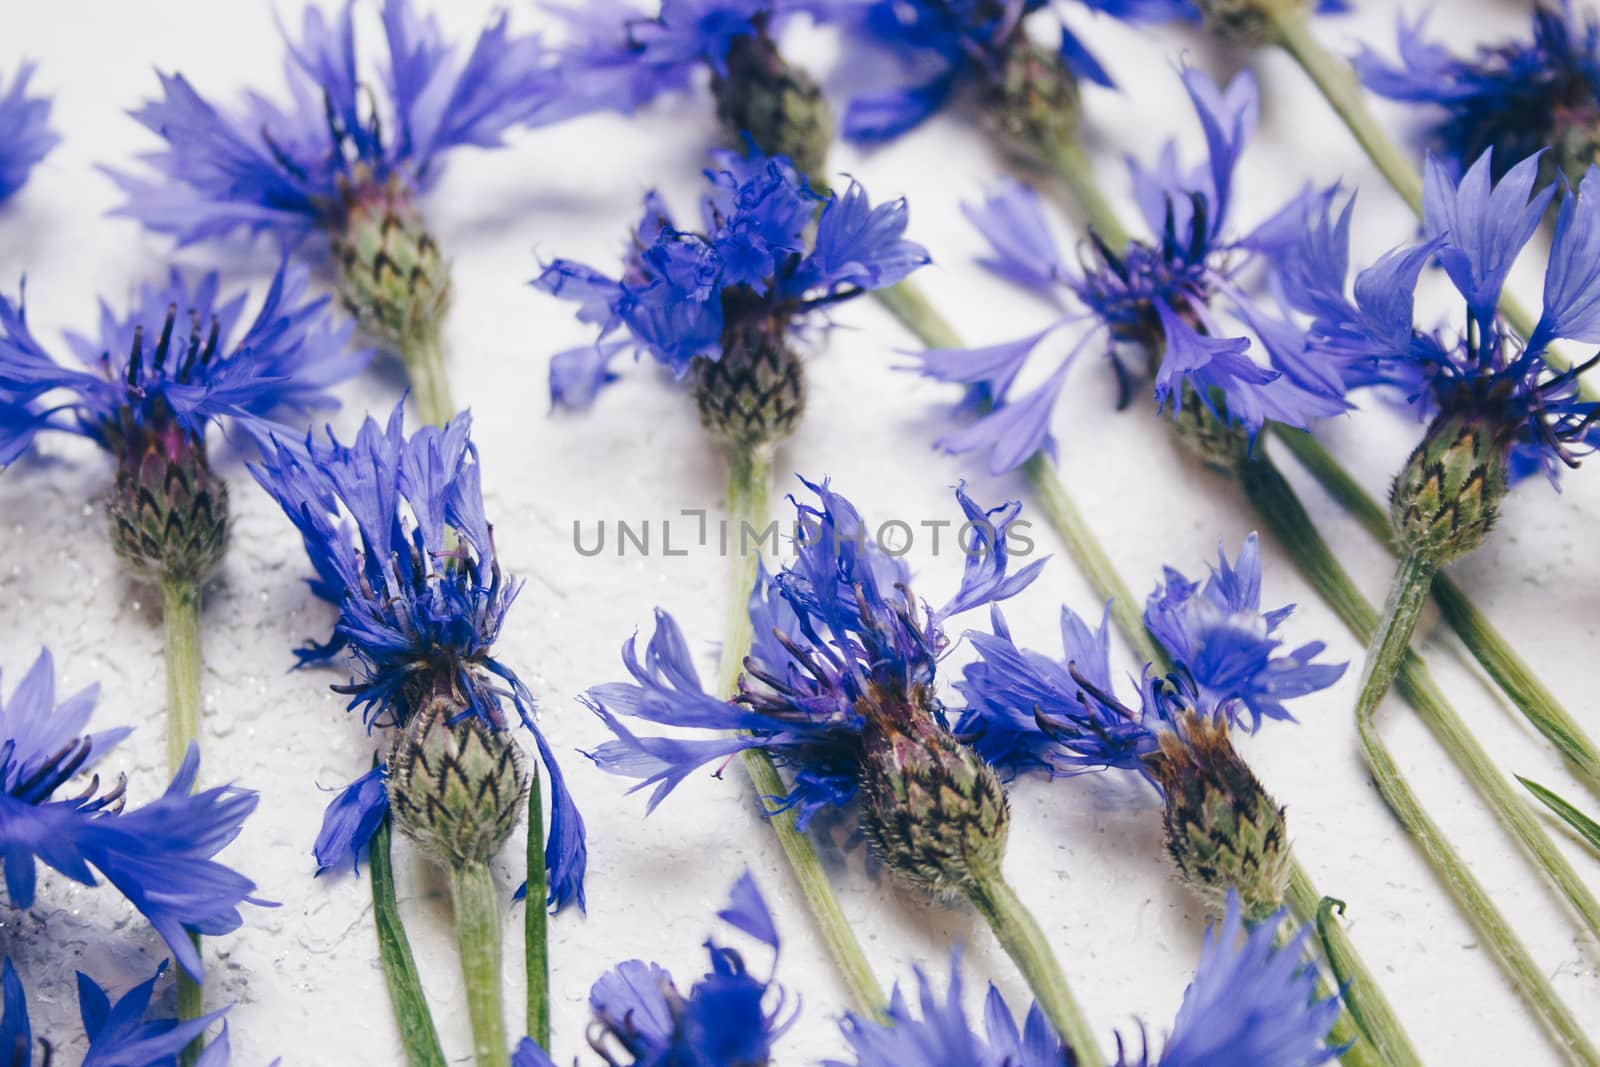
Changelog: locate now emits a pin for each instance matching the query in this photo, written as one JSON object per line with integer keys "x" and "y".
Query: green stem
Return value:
{"x": 180, "y": 616}
{"x": 1077, "y": 174}
{"x": 1387, "y": 651}
{"x": 478, "y": 936}
{"x": 423, "y": 355}
{"x": 907, "y": 303}
{"x": 417, "y": 1034}
{"x": 1365, "y": 1009}
{"x": 536, "y": 920}
{"x": 1280, "y": 508}
{"x": 1019, "y": 934}
{"x": 1492, "y": 651}
{"x": 749, "y": 483}
{"x": 1340, "y": 86}
{"x": 1090, "y": 558}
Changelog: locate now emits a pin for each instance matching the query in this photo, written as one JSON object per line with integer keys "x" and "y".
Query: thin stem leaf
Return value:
{"x": 1586, "y": 827}
{"x": 418, "y": 1037}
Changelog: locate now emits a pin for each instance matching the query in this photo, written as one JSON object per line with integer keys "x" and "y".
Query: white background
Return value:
{"x": 1086, "y": 854}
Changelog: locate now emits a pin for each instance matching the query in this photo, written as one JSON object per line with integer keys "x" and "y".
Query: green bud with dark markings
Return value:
{"x": 779, "y": 107}
{"x": 755, "y": 394}
{"x": 935, "y": 811}
{"x": 458, "y": 790}
{"x": 1224, "y": 831}
{"x": 392, "y": 278}
{"x": 1249, "y": 23}
{"x": 168, "y": 509}
{"x": 1032, "y": 103}
{"x": 1206, "y": 432}
{"x": 1446, "y": 498}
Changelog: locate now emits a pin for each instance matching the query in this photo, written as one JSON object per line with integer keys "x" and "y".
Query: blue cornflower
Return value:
{"x": 1028, "y": 712}
{"x": 1253, "y": 1002}
{"x": 1160, "y": 295}
{"x": 159, "y": 856}
{"x": 942, "y": 1035}
{"x": 143, "y": 381}
{"x": 757, "y": 270}
{"x": 1516, "y": 97}
{"x": 1484, "y": 374}
{"x": 949, "y": 45}
{"x": 118, "y": 1033}
{"x": 618, "y": 57}
{"x": 345, "y": 137}
{"x": 396, "y": 532}
{"x": 25, "y": 133}
{"x": 843, "y": 662}
{"x": 728, "y": 1018}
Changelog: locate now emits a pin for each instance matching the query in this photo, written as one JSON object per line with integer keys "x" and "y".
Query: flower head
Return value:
{"x": 728, "y": 1018}
{"x": 1029, "y": 712}
{"x": 1517, "y": 97}
{"x": 756, "y": 267}
{"x": 619, "y": 58}
{"x": 292, "y": 170}
{"x": 159, "y": 856}
{"x": 117, "y": 1030}
{"x": 1163, "y": 294}
{"x": 25, "y": 133}
{"x": 396, "y": 532}
{"x": 942, "y": 1035}
{"x": 1530, "y": 413}
{"x": 842, "y": 652}
{"x": 1225, "y": 642}
{"x": 176, "y": 362}
{"x": 949, "y": 45}
{"x": 1253, "y": 1002}
{"x": 1026, "y": 712}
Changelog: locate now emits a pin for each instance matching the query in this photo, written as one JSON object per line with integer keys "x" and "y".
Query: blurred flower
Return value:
{"x": 1253, "y": 1002}
{"x": 1516, "y": 97}
{"x": 942, "y": 1035}
{"x": 396, "y": 531}
{"x": 25, "y": 133}
{"x": 159, "y": 856}
{"x": 726, "y": 1020}
{"x": 118, "y": 1033}
{"x": 296, "y": 169}
{"x": 618, "y": 57}
{"x": 1160, "y": 295}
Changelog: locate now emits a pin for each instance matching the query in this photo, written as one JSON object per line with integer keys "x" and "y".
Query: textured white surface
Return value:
{"x": 1085, "y": 853}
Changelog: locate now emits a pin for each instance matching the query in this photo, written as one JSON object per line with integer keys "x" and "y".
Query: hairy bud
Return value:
{"x": 1224, "y": 831}
{"x": 168, "y": 509}
{"x": 1447, "y": 496}
{"x": 457, "y": 789}
{"x": 1210, "y": 437}
{"x": 1250, "y": 23}
{"x": 755, "y": 394}
{"x": 935, "y": 811}
{"x": 1032, "y": 103}
{"x": 392, "y": 278}
{"x": 777, "y": 106}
